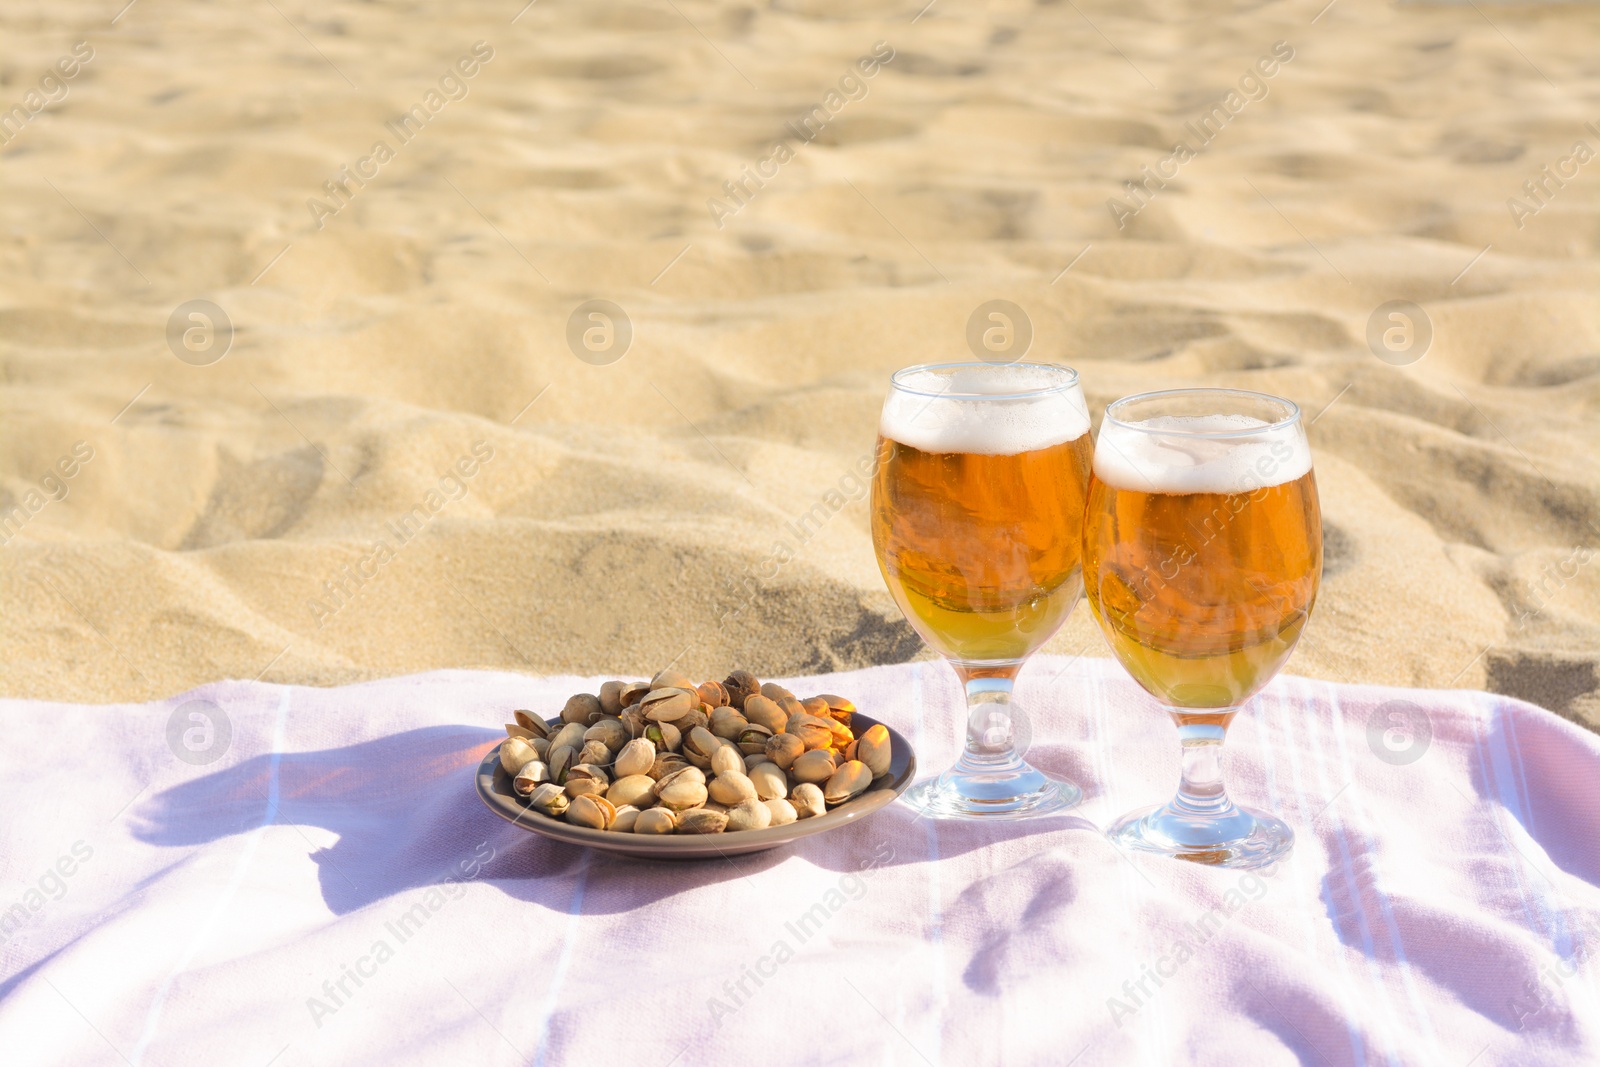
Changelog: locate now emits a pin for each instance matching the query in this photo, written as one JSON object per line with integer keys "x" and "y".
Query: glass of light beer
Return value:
{"x": 1202, "y": 555}
{"x": 977, "y": 514}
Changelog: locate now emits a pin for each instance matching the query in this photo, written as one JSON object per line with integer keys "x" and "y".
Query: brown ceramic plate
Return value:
{"x": 494, "y": 786}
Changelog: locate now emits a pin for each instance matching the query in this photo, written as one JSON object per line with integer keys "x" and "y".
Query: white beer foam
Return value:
{"x": 1185, "y": 461}
{"x": 967, "y": 420}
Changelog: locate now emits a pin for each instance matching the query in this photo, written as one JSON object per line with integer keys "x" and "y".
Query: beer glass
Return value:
{"x": 1202, "y": 554}
{"x": 977, "y": 513}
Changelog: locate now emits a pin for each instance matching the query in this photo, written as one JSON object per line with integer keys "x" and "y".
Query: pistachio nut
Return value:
{"x": 533, "y": 774}
{"x": 754, "y": 760}
{"x": 749, "y": 815}
{"x": 812, "y": 731}
{"x": 681, "y": 794}
{"x": 611, "y": 697}
{"x": 513, "y": 730}
{"x": 817, "y": 765}
{"x": 770, "y": 781}
{"x": 784, "y": 749}
{"x": 682, "y": 774}
{"x": 609, "y": 732}
{"x": 700, "y": 742}
{"x": 665, "y": 736}
{"x": 873, "y": 749}
{"x": 582, "y": 708}
{"x": 839, "y": 708}
{"x": 550, "y": 799}
{"x": 712, "y": 693}
{"x": 730, "y": 788}
{"x": 594, "y": 812}
{"x": 791, "y": 706}
{"x": 514, "y": 752}
{"x": 594, "y": 752}
{"x": 666, "y": 705}
{"x": 726, "y": 759}
{"x": 636, "y": 757}
{"x": 585, "y": 778}
{"x": 635, "y": 722}
{"x": 671, "y": 679}
{"x": 807, "y": 800}
{"x": 702, "y": 821}
{"x": 666, "y": 763}
{"x": 740, "y": 685}
{"x": 633, "y": 692}
{"x": 697, "y": 716}
{"x": 570, "y": 734}
{"x": 727, "y": 723}
{"x": 816, "y": 706}
{"x": 753, "y": 739}
{"x": 636, "y": 789}
{"x": 848, "y": 781}
{"x": 627, "y": 815}
{"x": 774, "y": 691}
{"x": 765, "y": 712}
{"x": 541, "y": 745}
{"x": 654, "y": 821}
{"x": 783, "y": 812}
{"x": 532, "y": 723}
{"x": 560, "y": 761}
{"x": 842, "y": 734}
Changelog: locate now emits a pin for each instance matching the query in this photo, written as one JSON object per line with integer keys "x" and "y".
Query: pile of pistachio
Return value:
{"x": 668, "y": 756}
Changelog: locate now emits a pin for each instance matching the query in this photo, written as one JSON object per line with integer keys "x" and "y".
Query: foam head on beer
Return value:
{"x": 1183, "y": 454}
{"x": 1001, "y": 410}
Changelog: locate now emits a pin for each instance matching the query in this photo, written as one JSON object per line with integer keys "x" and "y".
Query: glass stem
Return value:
{"x": 1201, "y": 793}
{"x": 992, "y": 720}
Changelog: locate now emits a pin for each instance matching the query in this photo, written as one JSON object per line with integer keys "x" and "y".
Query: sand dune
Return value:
{"x": 383, "y": 331}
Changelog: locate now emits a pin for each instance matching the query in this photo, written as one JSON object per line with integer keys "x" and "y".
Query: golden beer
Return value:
{"x": 1202, "y": 595}
{"x": 982, "y": 552}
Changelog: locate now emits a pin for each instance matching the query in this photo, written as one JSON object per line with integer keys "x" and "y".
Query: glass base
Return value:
{"x": 1241, "y": 838}
{"x": 1017, "y": 792}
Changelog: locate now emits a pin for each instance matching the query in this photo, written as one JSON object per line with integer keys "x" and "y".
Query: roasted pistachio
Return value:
{"x": 513, "y": 730}
{"x": 670, "y": 679}
{"x": 514, "y": 752}
{"x": 665, "y": 736}
{"x": 592, "y": 811}
{"x": 570, "y": 735}
{"x": 749, "y": 815}
{"x": 791, "y": 706}
{"x": 654, "y": 821}
{"x": 682, "y": 774}
{"x": 784, "y": 749}
{"x": 633, "y": 692}
{"x": 636, "y": 757}
{"x": 783, "y": 812}
{"x": 807, "y": 800}
{"x": 725, "y": 722}
{"x": 585, "y": 778}
{"x": 765, "y": 712}
{"x": 582, "y": 708}
{"x": 812, "y": 731}
{"x": 550, "y": 799}
{"x": 532, "y": 723}
{"x": 634, "y": 720}
{"x": 873, "y": 749}
{"x": 681, "y": 794}
{"x": 726, "y": 759}
{"x": 666, "y": 705}
{"x": 770, "y": 781}
{"x": 594, "y": 752}
{"x": 816, "y": 706}
{"x": 712, "y": 693}
{"x": 611, "y": 697}
{"x": 609, "y": 732}
{"x": 560, "y": 761}
{"x": 635, "y": 789}
{"x": 698, "y": 747}
{"x": 541, "y": 745}
{"x": 730, "y": 788}
{"x": 740, "y": 685}
{"x": 533, "y": 774}
{"x": 627, "y": 815}
{"x": 775, "y": 691}
{"x": 848, "y": 781}
{"x": 839, "y": 708}
{"x": 817, "y": 765}
{"x": 702, "y": 821}
{"x": 666, "y": 763}
{"x": 753, "y": 739}
{"x": 696, "y": 716}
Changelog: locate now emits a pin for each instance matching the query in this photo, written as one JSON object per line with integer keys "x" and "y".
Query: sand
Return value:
{"x": 622, "y": 514}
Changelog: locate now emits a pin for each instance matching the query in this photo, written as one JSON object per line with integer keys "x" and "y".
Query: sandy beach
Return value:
{"x": 376, "y": 449}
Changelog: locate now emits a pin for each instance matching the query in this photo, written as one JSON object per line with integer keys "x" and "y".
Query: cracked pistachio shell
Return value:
{"x": 671, "y": 679}
{"x": 848, "y": 781}
{"x": 784, "y": 749}
{"x": 550, "y": 799}
{"x": 514, "y": 752}
{"x": 753, "y": 739}
{"x": 763, "y": 711}
{"x": 839, "y": 708}
{"x": 727, "y": 723}
{"x": 726, "y": 759}
{"x": 609, "y": 732}
{"x": 667, "y": 705}
{"x": 595, "y": 753}
{"x": 682, "y": 774}
{"x": 570, "y": 735}
{"x": 774, "y": 691}
{"x": 817, "y": 706}
{"x": 681, "y": 794}
{"x": 712, "y": 693}
{"x": 701, "y": 742}
{"x": 807, "y": 800}
{"x": 636, "y": 757}
{"x": 749, "y": 815}
{"x": 627, "y": 815}
{"x": 611, "y": 697}
{"x": 731, "y": 788}
{"x": 740, "y": 685}
{"x": 591, "y": 810}
{"x": 560, "y": 761}
{"x": 655, "y": 821}
{"x": 817, "y": 765}
{"x": 513, "y": 730}
{"x": 533, "y": 774}
{"x": 633, "y": 692}
{"x": 666, "y": 763}
{"x": 532, "y": 723}
{"x": 872, "y": 748}
{"x": 665, "y": 736}
{"x": 585, "y": 778}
